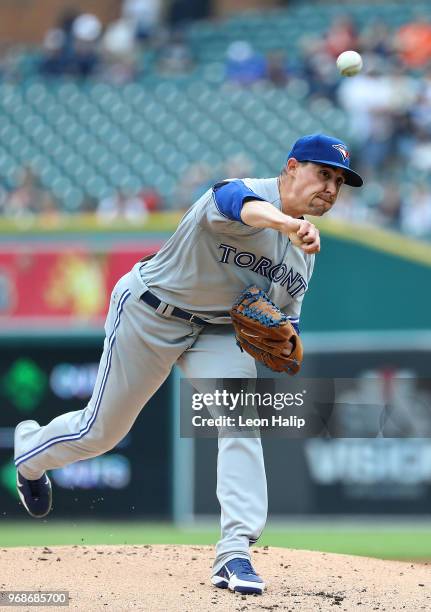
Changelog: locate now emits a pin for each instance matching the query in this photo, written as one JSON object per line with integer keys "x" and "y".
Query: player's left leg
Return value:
{"x": 241, "y": 478}
{"x": 139, "y": 350}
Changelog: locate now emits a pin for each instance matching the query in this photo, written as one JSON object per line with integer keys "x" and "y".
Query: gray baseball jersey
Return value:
{"x": 211, "y": 258}
{"x": 208, "y": 261}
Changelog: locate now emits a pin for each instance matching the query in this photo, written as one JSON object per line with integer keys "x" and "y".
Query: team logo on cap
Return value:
{"x": 343, "y": 151}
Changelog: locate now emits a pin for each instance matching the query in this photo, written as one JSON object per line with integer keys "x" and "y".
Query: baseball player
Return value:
{"x": 173, "y": 309}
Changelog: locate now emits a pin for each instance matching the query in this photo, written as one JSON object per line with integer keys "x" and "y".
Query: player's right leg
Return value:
{"x": 139, "y": 350}
{"x": 241, "y": 479}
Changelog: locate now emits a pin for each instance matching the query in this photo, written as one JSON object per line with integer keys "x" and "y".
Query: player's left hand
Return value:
{"x": 287, "y": 349}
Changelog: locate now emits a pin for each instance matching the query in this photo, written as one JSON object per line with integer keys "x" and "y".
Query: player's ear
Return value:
{"x": 292, "y": 166}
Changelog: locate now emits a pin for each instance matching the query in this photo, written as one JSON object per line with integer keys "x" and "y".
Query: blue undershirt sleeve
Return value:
{"x": 295, "y": 323}
{"x": 230, "y": 196}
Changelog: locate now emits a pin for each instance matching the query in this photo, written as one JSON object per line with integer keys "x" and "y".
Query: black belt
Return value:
{"x": 150, "y": 299}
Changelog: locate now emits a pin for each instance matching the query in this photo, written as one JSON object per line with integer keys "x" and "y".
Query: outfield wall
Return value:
{"x": 368, "y": 279}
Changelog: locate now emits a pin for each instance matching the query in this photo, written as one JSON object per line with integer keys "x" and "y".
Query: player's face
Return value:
{"x": 314, "y": 187}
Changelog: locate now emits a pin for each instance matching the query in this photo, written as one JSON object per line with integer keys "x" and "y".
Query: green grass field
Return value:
{"x": 391, "y": 541}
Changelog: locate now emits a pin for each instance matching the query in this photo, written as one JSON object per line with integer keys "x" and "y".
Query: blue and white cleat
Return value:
{"x": 35, "y": 495}
{"x": 238, "y": 575}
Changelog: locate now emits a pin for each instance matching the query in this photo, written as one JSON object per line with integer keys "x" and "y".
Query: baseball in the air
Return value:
{"x": 349, "y": 63}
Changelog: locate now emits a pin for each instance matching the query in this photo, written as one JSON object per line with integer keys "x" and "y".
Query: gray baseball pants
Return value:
{"x": 140, "y": 348}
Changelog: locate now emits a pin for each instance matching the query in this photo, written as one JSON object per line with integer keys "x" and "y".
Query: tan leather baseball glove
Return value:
{"x": 264, "y": 332}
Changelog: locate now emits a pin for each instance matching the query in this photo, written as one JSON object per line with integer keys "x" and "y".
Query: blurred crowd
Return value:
{"x": 30, "y": 199}
{"x": 388, "y": 104}
{"x": 80, "y": 46}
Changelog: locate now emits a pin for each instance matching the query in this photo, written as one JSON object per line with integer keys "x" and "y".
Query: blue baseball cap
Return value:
{"x": 328, "y": 151}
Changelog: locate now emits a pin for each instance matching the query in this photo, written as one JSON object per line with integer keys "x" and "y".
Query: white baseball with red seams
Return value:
{"x": 349, "y": 63}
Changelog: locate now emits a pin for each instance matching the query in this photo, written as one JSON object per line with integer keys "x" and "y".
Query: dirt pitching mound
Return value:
{"x": 176, "y": 578}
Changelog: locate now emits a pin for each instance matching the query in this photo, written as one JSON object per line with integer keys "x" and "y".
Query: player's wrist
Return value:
{"x": 288, "y": 224}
